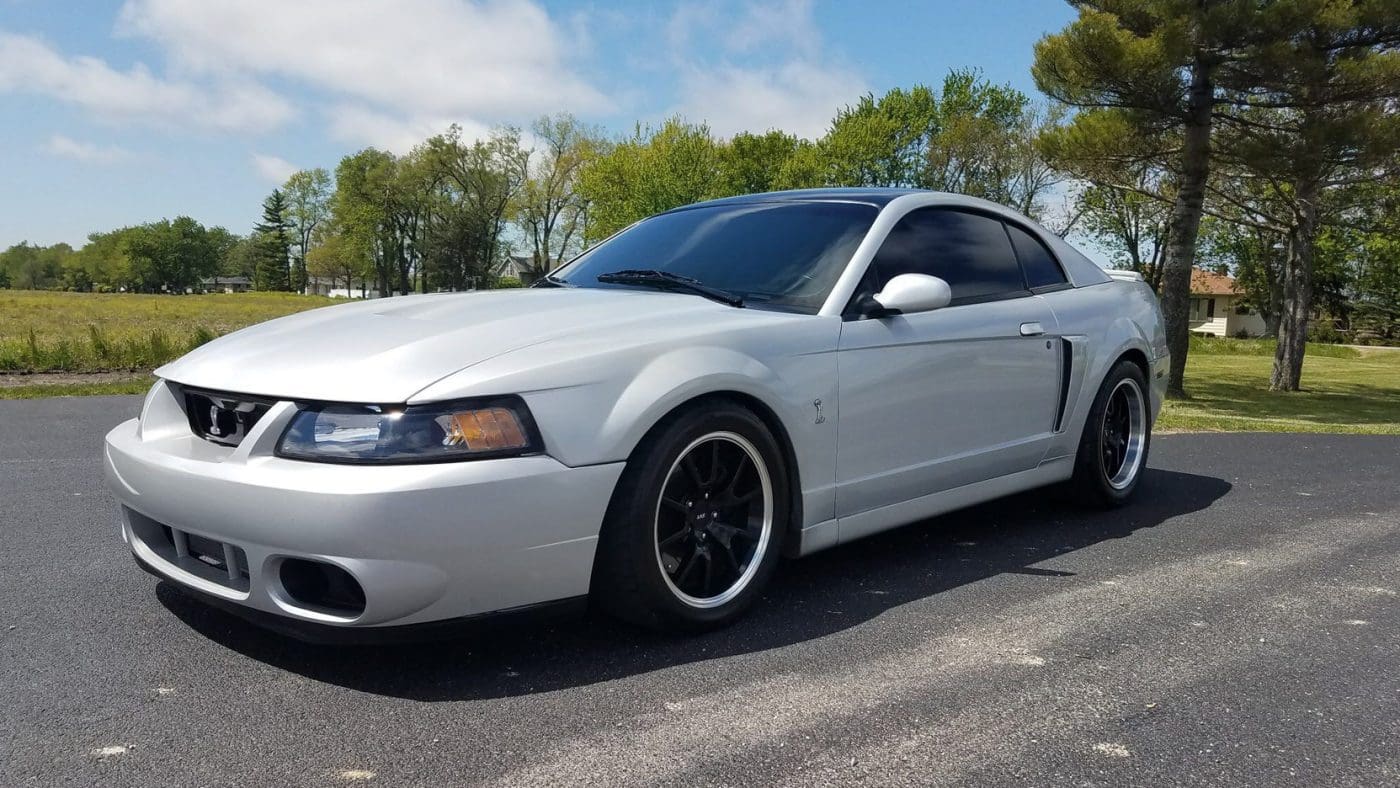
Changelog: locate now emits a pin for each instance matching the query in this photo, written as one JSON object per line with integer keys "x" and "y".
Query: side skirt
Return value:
{"x": 874, "y": 521}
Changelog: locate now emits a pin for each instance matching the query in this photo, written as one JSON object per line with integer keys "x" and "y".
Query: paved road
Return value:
{"x": 1238, "y": 626}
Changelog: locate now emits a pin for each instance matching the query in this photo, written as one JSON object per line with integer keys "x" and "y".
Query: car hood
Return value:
{"x": 383, "y": 351}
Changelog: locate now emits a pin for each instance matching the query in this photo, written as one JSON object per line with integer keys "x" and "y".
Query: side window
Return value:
{"x": 969, "y": 251}
{"x": 1040, "y": 266}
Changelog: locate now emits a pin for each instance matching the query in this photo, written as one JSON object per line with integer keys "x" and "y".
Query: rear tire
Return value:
{"x": 1117, "y": 434}
{"x": 696, "y": 525}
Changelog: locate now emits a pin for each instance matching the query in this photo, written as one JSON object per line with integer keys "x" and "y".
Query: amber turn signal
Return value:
{"x": 484, "y": 429}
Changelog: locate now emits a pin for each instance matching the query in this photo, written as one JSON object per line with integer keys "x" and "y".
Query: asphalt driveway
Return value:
{"x": 1239, "y": 625}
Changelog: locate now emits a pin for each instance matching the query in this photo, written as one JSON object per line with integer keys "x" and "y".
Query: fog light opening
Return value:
{"x": 322, "y": 587}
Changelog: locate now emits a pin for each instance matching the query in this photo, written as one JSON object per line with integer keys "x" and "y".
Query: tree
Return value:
{"x": 169, "y": 256}
{"x": 339, "y": 259}
{"x": 1312, "y": 113}
{"x": 971, "y": 137}
{"x": 363, "y": 209}
{"x": 467, "y": 193}
{"x": 29, "y": 267}
{"x": 1143, "y": 73}
{"x": 652, "y": 171}
{"x": 308, "y": 194}
{"x": 1128, "y": 223}
{"x": 551, "y": 211}
{"x": 752, "y": 163}
{"x": 273, "y": 250}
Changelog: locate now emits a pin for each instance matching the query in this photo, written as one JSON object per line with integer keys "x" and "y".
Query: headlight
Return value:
{"x": 440, "y": 432}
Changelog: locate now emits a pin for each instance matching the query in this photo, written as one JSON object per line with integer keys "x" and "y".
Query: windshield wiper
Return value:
{"x": 670, "y": 281}
{"x": 550, "y": 280}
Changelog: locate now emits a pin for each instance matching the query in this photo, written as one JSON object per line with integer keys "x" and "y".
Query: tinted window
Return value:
{"x": 1040, "y": 266}
{"x": 787, "y": 254}
{"x": 969, "y": 251}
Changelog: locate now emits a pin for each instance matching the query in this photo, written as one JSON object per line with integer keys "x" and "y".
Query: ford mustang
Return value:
{"x": 652, "y": 427}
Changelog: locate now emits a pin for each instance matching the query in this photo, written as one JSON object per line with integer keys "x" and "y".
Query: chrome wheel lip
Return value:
{"x": 760, "y": 550}
{"x": 1137, "y": 434}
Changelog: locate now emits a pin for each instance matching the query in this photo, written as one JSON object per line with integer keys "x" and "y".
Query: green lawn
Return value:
{"x": 85, "y": 332}
{"x": 1359, "y": 392}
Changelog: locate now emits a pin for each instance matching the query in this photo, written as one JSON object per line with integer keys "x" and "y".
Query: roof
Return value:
{"x": 878, "y": 197}
{"x": 1209, "y": 283}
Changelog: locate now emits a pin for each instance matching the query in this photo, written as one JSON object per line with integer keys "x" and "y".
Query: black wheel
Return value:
{"x": 1117, "y": 434}
{"x": 696, "y": 525}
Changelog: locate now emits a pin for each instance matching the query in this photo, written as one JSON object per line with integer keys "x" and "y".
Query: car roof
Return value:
{"x": 878, "y": 197}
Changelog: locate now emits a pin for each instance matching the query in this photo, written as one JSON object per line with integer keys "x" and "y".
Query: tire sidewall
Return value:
{"x": 1091, "y": 471}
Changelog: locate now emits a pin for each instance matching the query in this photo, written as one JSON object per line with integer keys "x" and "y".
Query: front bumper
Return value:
{"x": 424, "y": 542}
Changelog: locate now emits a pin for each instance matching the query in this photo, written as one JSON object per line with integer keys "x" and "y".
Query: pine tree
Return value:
{"x": 273, "y": 250}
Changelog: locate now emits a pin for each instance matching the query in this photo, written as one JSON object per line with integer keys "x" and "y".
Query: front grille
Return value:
{"x": 223, "y": 418}
{"x": 215, "y": 561}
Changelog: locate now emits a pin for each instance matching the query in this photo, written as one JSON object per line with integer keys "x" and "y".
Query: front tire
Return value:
{"x": 696, "y": 525}
{"x": 1117, "y": 434}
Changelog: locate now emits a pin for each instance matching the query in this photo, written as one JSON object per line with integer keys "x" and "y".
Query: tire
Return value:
{"x": 676, "y": 521}
{"x": 1117, "y": 435}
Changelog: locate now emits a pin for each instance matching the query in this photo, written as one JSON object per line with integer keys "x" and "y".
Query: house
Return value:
{"x": 334, "y": 288}
{"x": 518, "y": 266}
{"x": 1217, "y": 307}
{"x": 226, "y": 284}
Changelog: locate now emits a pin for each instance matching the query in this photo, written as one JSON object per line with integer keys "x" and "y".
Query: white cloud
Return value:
{"x": 273, "y": 168}
{"x": 799, "y": 97}
{"x": 136, "y": 95}
{"x": 427, "y": 58}
{"x": 784, "y": 24}
{"x": 786, "y": 81}
{"x": 396, "y": 132}
{"x": 86, "y": 152}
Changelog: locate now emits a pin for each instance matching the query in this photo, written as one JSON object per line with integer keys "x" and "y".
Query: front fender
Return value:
{"x": 594, "y": 400}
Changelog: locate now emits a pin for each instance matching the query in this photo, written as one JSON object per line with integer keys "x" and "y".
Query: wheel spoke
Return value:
{"x": 709, "y": 573}
{"x": 674, "y": 505}
{"x": 683, "y": 573}
{"x": 678, "y": 536}
{"x": 692, "y": 471}
{"x": 728, "y": 550}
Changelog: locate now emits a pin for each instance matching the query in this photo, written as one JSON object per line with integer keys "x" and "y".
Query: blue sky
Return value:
{"x": 115, "y": 113}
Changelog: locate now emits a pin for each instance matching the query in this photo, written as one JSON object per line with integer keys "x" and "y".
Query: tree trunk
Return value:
{"x": 1297, "y": 293}
{"x": 1186, "y": 223}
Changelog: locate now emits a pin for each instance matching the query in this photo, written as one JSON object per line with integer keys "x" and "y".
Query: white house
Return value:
{"x": 1217, "y": 307}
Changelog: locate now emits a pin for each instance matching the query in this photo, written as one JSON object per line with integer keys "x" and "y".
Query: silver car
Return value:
{"x": 652, "y": 427}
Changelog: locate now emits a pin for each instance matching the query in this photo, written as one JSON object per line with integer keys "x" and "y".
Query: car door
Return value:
{"x": 952, "y": 396}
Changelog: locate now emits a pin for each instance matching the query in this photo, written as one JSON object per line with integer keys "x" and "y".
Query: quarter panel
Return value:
{"x": 1109, "y": 319}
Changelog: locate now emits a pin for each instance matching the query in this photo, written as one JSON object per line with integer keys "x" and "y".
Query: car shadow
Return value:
{"x": 810, "y": 598}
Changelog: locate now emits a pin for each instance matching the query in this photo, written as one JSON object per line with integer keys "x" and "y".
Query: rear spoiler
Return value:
{"x": 1124, "y": 276}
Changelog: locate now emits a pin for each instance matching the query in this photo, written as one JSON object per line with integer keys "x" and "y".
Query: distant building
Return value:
{"x": 1217, "y": 307}
{"x": 226, "y": 284}
{"x": 334, "y": 288}
{"x": 518, "y": 266}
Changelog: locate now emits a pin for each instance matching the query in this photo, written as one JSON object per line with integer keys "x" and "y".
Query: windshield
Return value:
{"x": 782, "y": 254}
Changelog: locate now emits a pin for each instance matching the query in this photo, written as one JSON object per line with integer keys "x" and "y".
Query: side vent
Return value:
{"x": 1066, "y": 364}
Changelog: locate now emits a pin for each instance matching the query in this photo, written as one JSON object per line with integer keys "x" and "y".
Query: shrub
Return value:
{"x": 508, "y": 282}
{"x": 201, "y": 336}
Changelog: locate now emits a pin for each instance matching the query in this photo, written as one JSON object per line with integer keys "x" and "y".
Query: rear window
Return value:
{"x": 1040, "y": 266}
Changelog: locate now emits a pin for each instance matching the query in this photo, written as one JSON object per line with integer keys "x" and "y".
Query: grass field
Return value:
{"x": 1345, "y": 389}
{"x": 87, "y": 332}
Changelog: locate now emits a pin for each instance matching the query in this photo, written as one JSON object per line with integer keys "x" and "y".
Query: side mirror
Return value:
{"x": 908, "y": 293}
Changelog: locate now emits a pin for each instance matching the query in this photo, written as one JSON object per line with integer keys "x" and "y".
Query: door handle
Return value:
{"x": 1032, "y": 329}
